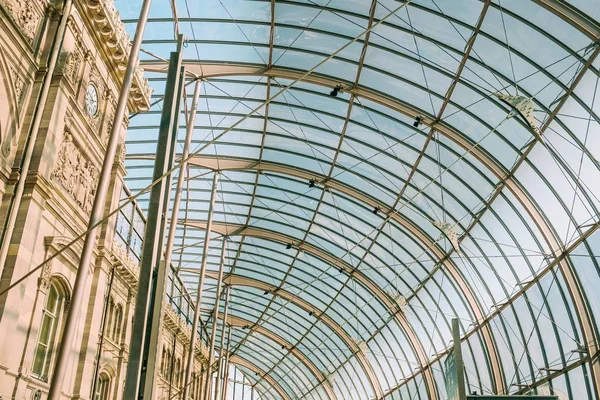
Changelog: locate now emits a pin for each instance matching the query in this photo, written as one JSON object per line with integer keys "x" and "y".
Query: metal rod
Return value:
{"x": 458, "y": 360}
{"x": 190, "y": 361}
{"x": 183, "y": 172}
{"x": 227, "y": 354}
{"x": 154, "y": 321}
{"x": 102, "y": 333}
{"x": 79, "y": 286}
{"x": 215, "y": 317}
{"x": 186, "y": 151}
{"x": 15, "y": 201}
{"x": 150, "y": 268}
{"x": 222, "y": 351}
{"x": 172, "y": 366}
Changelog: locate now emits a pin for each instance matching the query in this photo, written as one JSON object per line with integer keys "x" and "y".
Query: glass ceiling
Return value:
{"x": 338, "y": 210}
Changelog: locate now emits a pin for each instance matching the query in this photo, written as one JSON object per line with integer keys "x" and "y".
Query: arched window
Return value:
{"x": 109, "y": 319}
{"x": 118, "y": 319}
{"x": 49, "y": 329}
{"x": 103, "y": 387}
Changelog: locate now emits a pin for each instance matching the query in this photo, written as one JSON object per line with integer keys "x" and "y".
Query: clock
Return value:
{"x": 91, "y": 100}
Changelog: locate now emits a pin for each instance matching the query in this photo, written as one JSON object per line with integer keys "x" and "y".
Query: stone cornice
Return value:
{"x": 125, "y": 267}
{"x": 176, "y": 324}
{"x": 104, "y": 24}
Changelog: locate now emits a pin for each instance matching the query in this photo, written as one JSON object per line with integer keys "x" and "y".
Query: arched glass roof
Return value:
{"x": 454, "y": 175}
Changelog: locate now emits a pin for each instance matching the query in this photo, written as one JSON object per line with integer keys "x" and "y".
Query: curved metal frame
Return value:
{"x": 237, "y": 360}
{"x": 236, "y": 280}
{"x": 507, "y": 180}
{"x": 241, "y": 322}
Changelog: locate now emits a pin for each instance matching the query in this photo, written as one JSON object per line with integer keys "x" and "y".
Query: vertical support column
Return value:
{"x": 190, "y": 361}
{"x": 226, "y": 374}
{"x": 137, "y": 366}
{"x": 458, "y": 360}
{"x": 79, "y": 286}
{"x": 155, "y": 318}
{"x": 222, "y": 351}
{"x": 186, "y": 151}
{"x": 215, "y": 316}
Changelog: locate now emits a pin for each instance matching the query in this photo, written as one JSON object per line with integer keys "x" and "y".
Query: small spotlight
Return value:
{"x": 310, "y": 313}
{"x": 282, "y": 347}
{"x": 289, "y": 246}
{"x": 312, "y": 183}
{"x": 417, "y": 122}
{"x": 245, "y": 326}
{"x": 341, "y": 269}
{"x": 376, "y": 210}
{"x": 266, "y": 292}
{"x": 335, "y": 91}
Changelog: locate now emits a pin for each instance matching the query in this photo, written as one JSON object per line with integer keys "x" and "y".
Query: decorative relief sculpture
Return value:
{"x": 76, "y": 174}
{"x": 18, "y": 83}
{"x": 44, "y": 279}
{"x": 72, "y": 65}
{"x": 26, "y": 14}
{"x": 6, "y": 146}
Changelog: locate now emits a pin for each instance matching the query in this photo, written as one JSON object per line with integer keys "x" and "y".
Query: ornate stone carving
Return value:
{"x": 27, "y": 14}
{"x": 6, "y": 146}
{"x": 18, "y": 84}
{"x": 44, "y": 279}
{"x": 72, "y": 65}
{"x": 76, "y": 174}
{"x": 109, "y": 125}
{"x": 116, "y": 42}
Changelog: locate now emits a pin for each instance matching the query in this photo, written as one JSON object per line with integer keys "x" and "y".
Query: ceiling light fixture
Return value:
{"x": 335, "y": 91}
{"x": 417, "y": 121}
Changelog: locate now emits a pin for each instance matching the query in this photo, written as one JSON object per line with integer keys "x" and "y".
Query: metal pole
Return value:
{"x": 190, "y": 361}
{"x": 153, "y": 236}
{"x": 458, "y": 360}
{"x": 79, "y": 286}
{"x": 227, "y": 354}
{"x": 172, "y": 366}
{"x": 15, "y": 202}
{"x": 215, "y": 317}
{"x": 158, "y": 287}
{"x": 102, "y": 328}
{"x": 222, "y": 351}
{"x": 186, "y": 151}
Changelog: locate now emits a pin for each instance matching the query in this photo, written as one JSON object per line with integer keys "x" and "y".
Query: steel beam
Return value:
{"x": 192, "y": 347}
{"x": 586, "y": 25}
{"x": 238, "y": 280}
{"x": 215, "y": 315}
{"x": 239, "y": 322}
{"x": 429, "y": 243}
{"x": 152, "y": 276}
{"x": 242, "y": 362}
{"x": 222, "y": 345}
{"x": 226, "y": 375}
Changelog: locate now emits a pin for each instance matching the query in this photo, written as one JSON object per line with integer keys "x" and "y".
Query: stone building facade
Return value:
{"x": 59, "y": 190}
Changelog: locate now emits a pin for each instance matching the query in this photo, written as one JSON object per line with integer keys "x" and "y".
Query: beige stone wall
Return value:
{"x": 60, "y": 187}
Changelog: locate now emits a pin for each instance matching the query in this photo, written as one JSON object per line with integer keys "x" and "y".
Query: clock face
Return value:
{"x": 91, "y": 100}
